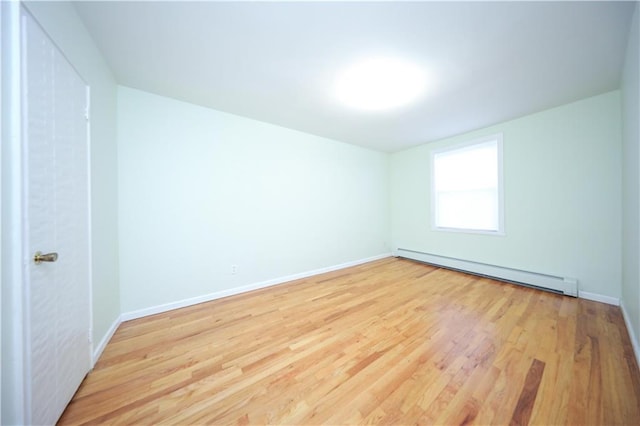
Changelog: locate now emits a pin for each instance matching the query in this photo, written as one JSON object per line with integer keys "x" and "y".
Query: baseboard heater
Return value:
{"x": 563, "y": 285}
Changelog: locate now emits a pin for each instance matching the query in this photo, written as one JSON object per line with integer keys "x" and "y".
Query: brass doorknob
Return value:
{"x": 38, "y": 258}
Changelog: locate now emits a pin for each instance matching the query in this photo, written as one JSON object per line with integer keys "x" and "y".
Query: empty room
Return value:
{"x": 329, "y": 213}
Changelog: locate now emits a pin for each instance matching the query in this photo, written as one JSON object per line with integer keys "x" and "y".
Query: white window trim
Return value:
{"x": 501, "y": 223}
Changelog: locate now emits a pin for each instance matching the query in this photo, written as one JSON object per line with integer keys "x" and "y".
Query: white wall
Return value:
{"x": 201, "y": 190}
{"x": 562, "y": 196}
{"x": 631, "y": 183}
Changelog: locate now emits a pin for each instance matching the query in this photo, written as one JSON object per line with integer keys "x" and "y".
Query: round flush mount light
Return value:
{"x": 380, "y": 83}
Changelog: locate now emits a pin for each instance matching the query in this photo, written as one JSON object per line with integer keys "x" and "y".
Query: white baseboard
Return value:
{"x": 237, "y": 290}
{"x": 599, "y": 298}
{"x": 97, "y": 350}
{"x": 632, "y": 334}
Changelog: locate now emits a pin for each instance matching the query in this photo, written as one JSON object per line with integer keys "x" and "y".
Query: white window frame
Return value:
{"x": 501, "y": 228}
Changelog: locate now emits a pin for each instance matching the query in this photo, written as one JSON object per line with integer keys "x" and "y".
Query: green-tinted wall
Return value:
{"x": 562, "y": 196}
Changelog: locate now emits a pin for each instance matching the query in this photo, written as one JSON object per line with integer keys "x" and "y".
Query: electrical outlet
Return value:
{"x": 234, "y": 269}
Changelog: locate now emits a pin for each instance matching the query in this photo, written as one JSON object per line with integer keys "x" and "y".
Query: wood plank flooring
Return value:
{"x": 388, "y": 342}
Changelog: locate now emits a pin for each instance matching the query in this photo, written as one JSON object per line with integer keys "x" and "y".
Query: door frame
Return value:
{"x": 15, "y": 402}
{"x": 13, "y": 395}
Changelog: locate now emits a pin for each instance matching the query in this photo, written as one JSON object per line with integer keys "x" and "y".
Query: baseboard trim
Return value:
{"x": 97, "y": 350}
{"x": 127, "y": 316}
{"x": 632, "y": 334}
{"x": 599, "y": 298}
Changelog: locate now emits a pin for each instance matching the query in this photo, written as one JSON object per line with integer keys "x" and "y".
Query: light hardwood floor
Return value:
{"x": 388, "y": 342}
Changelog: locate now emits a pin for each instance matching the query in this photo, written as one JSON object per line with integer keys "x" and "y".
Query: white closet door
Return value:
{"x": 57, "y": 221}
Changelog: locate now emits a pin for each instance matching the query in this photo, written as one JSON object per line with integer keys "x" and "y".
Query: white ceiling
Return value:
{"x": 277, "y": 61}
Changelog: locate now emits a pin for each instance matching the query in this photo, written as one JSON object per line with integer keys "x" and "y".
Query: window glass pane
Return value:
{"x": 466, "y": 187}
{"x": 473, "y": 167}
{"x": 475, "y": 210}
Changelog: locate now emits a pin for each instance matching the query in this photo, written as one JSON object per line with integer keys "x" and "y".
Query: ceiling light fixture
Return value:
{"x": 380, "y": 83}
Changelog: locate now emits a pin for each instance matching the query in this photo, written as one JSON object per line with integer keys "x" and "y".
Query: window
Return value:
{"x": 467, "y": 187}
